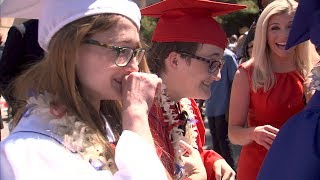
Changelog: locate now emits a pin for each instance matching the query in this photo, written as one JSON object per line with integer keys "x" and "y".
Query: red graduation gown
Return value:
{"x": 160, "y": 133}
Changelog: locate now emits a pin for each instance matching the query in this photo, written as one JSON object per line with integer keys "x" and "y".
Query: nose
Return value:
{"x": 286, "y": 33}
{"x": 132, "y": 66}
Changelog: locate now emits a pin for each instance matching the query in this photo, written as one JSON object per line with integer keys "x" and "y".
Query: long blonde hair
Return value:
{"x": 56, "y": 74}
{"x": 263, "y": 76}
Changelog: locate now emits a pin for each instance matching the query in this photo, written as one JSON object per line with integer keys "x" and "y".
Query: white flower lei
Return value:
{"x": 176, "y": 134}
{"x": 315, "y": 79}
{"x": 78, "y": 137}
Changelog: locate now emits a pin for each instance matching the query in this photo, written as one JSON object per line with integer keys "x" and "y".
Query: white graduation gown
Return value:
{"x": 32, "y": 151}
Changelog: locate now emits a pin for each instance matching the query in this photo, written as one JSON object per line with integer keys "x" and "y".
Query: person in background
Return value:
{"x": 217, "y": 107}
{"x": 84, "y": 106}
{"x": 270, "y": 87}
{"x": 0, "y": 39}
{"x": 295, "y": 152}
{"x": 21, "y": 50}
{"x": 1, "y": 124}
{"x": 1, "y": 47}
{"x": 240, "y": 42}
{"x": 244, "y": 51}
{"x": 248, "y": 45}
{"x": 232, "y": 43}
{"x": 188, "y": 60}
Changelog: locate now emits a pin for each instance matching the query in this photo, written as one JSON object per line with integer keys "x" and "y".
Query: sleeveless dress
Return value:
{"x": 274, "y": 108}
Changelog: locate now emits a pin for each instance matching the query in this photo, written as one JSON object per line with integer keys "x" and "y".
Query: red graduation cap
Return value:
{"x": 189, "y": 21}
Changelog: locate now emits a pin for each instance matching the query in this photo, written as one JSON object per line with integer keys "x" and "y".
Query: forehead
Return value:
{"x": 123, "y": 31}
{"x": 209, "y": 50}
{"x": 281, "y": 17}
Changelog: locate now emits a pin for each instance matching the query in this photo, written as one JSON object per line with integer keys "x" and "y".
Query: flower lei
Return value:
{"x": 189, "y": 135}
{"x": 78, "y": 137}
{"x": 315, "y": 79}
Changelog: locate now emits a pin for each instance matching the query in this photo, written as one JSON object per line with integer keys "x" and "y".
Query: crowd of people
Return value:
{"x": 90, "y": 101}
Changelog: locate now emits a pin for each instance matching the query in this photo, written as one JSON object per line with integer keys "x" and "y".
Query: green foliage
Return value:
{"x": 232, "y": 22}
{"x": 147, "y": 27}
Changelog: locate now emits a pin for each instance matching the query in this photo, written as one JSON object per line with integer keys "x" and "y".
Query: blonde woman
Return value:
{"x": 269, "y": 88}
{"x": 69, "y": 120}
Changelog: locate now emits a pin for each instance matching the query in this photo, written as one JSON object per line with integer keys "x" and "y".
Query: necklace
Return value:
{"x": 182, "y": 126}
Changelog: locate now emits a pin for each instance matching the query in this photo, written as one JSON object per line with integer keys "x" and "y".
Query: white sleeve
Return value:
{"x": 34, "y": 156}
{"x": 137, "y": 158}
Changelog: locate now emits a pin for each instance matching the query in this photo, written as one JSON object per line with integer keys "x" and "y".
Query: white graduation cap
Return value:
{"x": 55, "y": 14}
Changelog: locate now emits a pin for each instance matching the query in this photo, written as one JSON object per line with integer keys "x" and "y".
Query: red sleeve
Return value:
{"x": 208, "y": 156}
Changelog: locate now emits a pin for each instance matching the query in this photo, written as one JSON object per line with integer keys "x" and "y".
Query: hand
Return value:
{"x": 264, "y": 135}
{"x": 138, "y": 92}
{"x": 192, "y": 162}
{"x": 223, "y": 170}
{"x": 140, "y": 89}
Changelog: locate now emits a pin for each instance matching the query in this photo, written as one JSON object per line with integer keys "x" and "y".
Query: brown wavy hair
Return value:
{"x": 56, "y": 74}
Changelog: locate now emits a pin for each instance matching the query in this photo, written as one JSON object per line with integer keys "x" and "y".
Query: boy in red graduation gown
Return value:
{"x": 186, "y": 52}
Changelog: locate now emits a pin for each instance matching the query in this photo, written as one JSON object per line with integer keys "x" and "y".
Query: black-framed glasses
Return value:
{"x": 214, "y": 65}
{"x": 123, "y": 54}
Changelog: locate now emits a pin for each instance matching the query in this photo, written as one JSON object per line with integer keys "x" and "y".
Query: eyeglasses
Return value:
{"x": 214, "y": 65}
{"x": 124, "y": 54}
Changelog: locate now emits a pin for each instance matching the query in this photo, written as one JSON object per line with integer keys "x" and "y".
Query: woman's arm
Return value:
{"x": 238, "y": 112}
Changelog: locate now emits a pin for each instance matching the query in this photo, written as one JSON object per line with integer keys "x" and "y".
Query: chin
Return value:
{"x": 204, "y": 96}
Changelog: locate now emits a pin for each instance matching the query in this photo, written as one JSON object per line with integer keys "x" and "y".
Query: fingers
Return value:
{"x": 269, "y": 140}
{"x": 265, "y": 135}
{"x": 223, "y": 170}
{"x": 188, "y": 148}
{"x": 272, "y": 129}
{"x": 217, "y": 168}
{"x": 140, "y": 88}
{"x": 158, "y": 89}
{"x": 192, "y": 162}
{"x": 228, "y": 176}
{"x": 265, "y": 144}
{"x": 228, "y": 173}
{"x": 270, "y": 135}
{"x": 217, "y": 172}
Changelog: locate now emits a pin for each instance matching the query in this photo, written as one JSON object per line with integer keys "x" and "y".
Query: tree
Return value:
{"x": 232, "y": 22}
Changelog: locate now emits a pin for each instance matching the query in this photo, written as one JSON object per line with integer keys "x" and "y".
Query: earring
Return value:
{"x": 175, "y": 61}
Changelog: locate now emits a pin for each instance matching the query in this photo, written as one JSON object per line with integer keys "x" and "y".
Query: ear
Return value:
{"x": 172, "y": 61}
